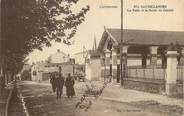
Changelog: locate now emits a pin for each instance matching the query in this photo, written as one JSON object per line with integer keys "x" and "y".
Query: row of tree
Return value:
{"x": 32, "y": 24}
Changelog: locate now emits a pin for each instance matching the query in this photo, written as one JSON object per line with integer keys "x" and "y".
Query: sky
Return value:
{"x": 108, "y": 13}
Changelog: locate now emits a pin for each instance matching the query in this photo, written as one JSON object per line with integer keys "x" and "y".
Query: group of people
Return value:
{"x": 58, "y": 80}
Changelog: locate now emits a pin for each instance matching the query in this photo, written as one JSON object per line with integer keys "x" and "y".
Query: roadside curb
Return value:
{"x": 9, "y": 99}
{"x": 123, "y": 101}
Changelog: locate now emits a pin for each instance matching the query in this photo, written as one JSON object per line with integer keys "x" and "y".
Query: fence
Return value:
{"x": 146, "y": 73}
{"x": 180, "y": 74}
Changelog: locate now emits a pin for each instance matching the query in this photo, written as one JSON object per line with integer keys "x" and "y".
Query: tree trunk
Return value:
{"x": 2, "y": 80}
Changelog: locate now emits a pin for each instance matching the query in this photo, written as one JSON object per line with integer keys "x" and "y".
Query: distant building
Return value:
{"x": 59, "y": 57}
{"x": 37, "y": 70}
{"x": 41, "y": 70}
{"x": 80, "y": 57}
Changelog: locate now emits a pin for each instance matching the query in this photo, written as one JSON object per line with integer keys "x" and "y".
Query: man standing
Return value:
{"x": 69, "y": 83}
{"x": 53, "y": 81}
{"x": 60, "y": 83}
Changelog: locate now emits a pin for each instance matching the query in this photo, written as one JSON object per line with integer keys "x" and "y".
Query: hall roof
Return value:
{"x": 142, "y": 37}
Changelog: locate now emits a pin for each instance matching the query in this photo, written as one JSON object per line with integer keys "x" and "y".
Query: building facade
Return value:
{"x": 40, "y": 70}
{"x": 141, "y": 48}
{"x": 80, "y": 57}
{"x": 59, "y": 57}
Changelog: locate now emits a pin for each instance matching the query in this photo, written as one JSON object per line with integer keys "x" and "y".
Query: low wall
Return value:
{"x": 180, "y": 90}
{"x": 147, "y": 85}
{"x": 151, "y": 85}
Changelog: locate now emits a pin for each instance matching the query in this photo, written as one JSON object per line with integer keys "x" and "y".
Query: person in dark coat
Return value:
{"x": 69, "y": 83}
{"x": 53, "y": 81}
{"x": 59, "y": 84}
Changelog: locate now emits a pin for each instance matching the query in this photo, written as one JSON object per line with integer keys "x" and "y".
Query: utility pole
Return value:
{"x": 121, "y": 46}
{"x": 0, "y": 49}
{"x": 0, "y": 33}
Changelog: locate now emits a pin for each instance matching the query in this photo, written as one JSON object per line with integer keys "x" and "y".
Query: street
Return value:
{"x": 41, "y": 101}
{"x": 91, "y": 58}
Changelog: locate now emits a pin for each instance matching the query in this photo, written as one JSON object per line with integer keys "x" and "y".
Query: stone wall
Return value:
{"x": 149, "y": 85}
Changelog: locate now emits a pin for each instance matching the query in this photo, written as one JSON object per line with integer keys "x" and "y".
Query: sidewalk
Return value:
{"x": 117, "y": 101}
{"x": 117, "y": 93}
{"x": 4, "y": 99}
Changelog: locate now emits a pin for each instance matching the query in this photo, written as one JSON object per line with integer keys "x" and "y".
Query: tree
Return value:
{"x": 33, "y": 24}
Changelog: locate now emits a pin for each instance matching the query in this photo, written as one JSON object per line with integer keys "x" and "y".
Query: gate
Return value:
{"x": 180, "y": 74}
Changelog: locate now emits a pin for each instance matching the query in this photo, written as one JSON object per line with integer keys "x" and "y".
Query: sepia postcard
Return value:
{"x": 92, "y": 58}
